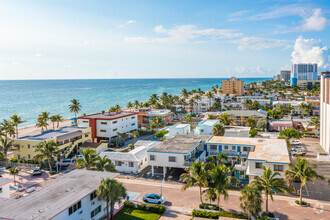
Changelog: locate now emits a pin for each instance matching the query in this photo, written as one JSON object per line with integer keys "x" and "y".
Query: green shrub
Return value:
{"x": 130, "y": 204}
{"x": 104, "y": 141}
{"x": 209, "y": 206}
{"x": 231, "y": 187}
{"x": 265, "y": 214}
{"x": 158, "y": 209}
{"x": 13, "y": 160}
{"x": 216, "y": 215}
{"x": 302, "y": 203}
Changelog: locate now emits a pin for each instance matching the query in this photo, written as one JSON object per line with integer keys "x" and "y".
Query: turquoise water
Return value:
{"x": 28, "y": 98}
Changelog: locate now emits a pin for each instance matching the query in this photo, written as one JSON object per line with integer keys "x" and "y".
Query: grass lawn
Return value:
{"x": 134, "y": 214}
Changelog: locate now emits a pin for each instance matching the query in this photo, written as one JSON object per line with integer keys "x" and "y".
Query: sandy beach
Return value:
{"x": 33, "y": 130}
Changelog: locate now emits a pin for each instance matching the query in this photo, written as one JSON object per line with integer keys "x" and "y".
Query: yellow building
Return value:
{"x": 67, "y": 139}
{"x": 314, "y": 101}
{"x": 233, "y": 86}
{"x": 240, "y": 117}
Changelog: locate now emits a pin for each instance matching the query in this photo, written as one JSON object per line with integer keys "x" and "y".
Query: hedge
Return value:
{"x": 209, "y": 206}
{"x": 216, "y": 215}
{"x": 231, "y": 187}
{"x": 158, "y": 209}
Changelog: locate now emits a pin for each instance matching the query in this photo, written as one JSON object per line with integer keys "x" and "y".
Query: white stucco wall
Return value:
{"x": 5, "y": 191}
{"x": 162, "y": 159}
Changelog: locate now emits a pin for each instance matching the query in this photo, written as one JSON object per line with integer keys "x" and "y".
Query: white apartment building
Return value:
{"x": 325, "y": 112}
{"x": 205, "y": 127}
{"x": 236, "y": 131}
{"x": 71, "y": 196}
{"x": 176, "y": 129}
{"x": 133, "y": 161}
{"x": 105, "y": 125}
{"x": 4, "y": 187}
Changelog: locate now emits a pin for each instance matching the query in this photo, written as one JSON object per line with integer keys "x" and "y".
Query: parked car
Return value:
{"x": 78, "y": 156}
{"x": 36, "y": 171}
{"x": 295, "y": 142}
{"x": 66, "y": 162}
{"x": 154, "y": 198}
{"x": 298, "y": 152}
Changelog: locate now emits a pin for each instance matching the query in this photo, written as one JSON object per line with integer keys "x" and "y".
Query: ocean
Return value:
{"x": 28, "y": 98}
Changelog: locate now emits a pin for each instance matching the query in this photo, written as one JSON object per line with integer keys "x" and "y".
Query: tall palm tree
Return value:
{"x": 5, "y": 145}
{"x": 41, "y": 123}
{"x": 75, "y": 107}
{"x": 16, "y": 120}
{"x": 251, "y": 200}
{"x": 104, "y": 164}
{"x": 219, "y": 181}
{"x": 185, "y": 93}
{"x": 58, "y": 119}
{"x": 218, "y": 130}
{"x": 135, "y": 134}
{"x": 44, "y": 115}
{"x": 269, "y": 183}
{"x": 136, "y": 104}
{"x": 5, "y": 126}
{"x": 191, "y": 103}
{"x": 88, "y": 160}
{"x": 304, "y": 171}
{"x": 210, "y": 96}
{"x": 187, "y": 119}
{"x": 111, "y": 191}
{"x": 222, "y": 157}
{"x": 315, "y": 122}
{"x": 153, "y": 126}
{"x": 196, "y": 175}
{"x": 47, "y": 150}
{"x": 14, "y": 171}
{"x": 225, "y": 119}
{"x": 159, "y": 121}
{"x": 251, "y": 122}
{"x": 53, "y": 120}
{"x": 129, "y": 105}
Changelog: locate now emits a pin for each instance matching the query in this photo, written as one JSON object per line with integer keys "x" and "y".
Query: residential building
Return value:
{"x": 71, "y": 196}
{"x": 97, "y": 147}
{"x": 205, "y": 127}
{"x": 5, "y": 188}
{"x": 302, "y": 124}
{"x": 314, "y": 101}
{"x": 277, "y": 77}
{"x": 231, "y": 106}
{"x": 242, "y": 99}
{"x": 285, "y": 75}
{"x": 68, "y": 140}
{"x": 133, "y": 161}
{"x": 325, "y": 112}
{"x": 147, "y": 115}
{"x": 295, "y": 105}
{"x": 280, "y": 124}
{"x": 105, "y": 125}
{"x": 303, "y": 72}
{"x": 176, "y": 129}
{"x": 239, "y": 117}
{"x": 236, "y": 131}
{"x": 233, "y": 86}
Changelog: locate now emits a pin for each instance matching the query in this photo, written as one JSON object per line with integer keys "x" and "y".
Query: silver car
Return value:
{"x": 154, "y": 198}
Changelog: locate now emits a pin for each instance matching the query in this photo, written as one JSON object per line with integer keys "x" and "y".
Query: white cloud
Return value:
{"x": 255, "y": 43}
{"x": 316, "y": 22}
{"x": 38, "y": 55}
{"x": 310, "y": 51}
{"x": 284, "y": 11}
{"x": 244, "y": 70}
{"x": 131, "y": 22}
{"x": 185, "y": 33}
{"x": 14, "y": 63}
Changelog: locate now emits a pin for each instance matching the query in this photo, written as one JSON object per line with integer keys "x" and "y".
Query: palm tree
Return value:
{"x": 222, "y": 157}
{"x": 47, "y": 149}
{"x": 88, "y": 160}
{"x": 118, "y": 108}
{"x": 111, "y": 191}
{"x": 218, "y": 130}
{"x": 185, "y": 93}
{"x": 191, "y": 103}
{"x": 16, "y": 120}
{"x": 44, "y": 115}
{"x": 75, "y": 107}
{"x": 159, "y": 121}
{"x": 136, "y": 104}
{"x": 251, "y": 200}
{"x": 6, "y": 126}
{"x": 196, "y": 175}
{"x": 104, "y": 164}
{"x": 135, "y": 134}
{"x": 53, "y": 120}
{"x": 210, "y": 96}
{"x": 219, "y": 181}
{"x": 129, "y": 105}
{"x": 187, "y": 119}
{"x": 251, "y": 122}
{"x": 153, "y": 126}
{"x": 225, "y": 119}
{"x": 304, "y": 171}
{"x": 270, "y": 183}
{"x": 14, "y": 171}
{"x": 315, "y": 122}
{"x": 58, "y": 119}
{"x": 5, "y": 145}
{"x": 41, "y": 123}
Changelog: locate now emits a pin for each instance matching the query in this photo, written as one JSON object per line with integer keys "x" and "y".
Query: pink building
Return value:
{"x": 280, "y": 124}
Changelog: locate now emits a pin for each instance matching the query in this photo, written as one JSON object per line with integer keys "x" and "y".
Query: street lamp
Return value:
{"x": 161, "y": 187}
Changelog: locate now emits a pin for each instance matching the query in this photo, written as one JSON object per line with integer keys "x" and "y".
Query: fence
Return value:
{"x": 26, "y": 166}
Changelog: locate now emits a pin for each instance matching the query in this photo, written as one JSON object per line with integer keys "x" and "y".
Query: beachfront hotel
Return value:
{"x": 233, "y": 86}
{"x": 325, "y": 112}
{"x": 146, "y": 115}
{"x": 67, "y": 138}
{"x": 105, "y": 125}
{"x": 71, "y": 196}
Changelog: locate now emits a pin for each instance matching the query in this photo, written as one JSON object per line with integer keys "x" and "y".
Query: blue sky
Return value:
{"x": 68, "y": 39}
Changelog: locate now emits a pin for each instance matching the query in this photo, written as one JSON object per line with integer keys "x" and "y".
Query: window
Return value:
{"x": 171, "y": 159}
{"x": 93, "y": 196}
{"x": 226, "y": 147}
{"x": 0, "y": 190}
{"x": 246, "y": 149}
{"x": 133, "y": 124}
{"x": 131, "y": 164}
{"x": 118, "y": 163}
{"x": 152, "y": 157}
{"x": 103, "y": 123}
{"x": 214, "y": 147}
{"x": 234, "y": 147}
{"x": 133, "y": 117}
{"x": 28, "y": 145}
{"x": 103, "y": 130}
{"x": 75, "y": 207}
{"x": 114, "y": 122}
{"x": 278, "y": 167}
{"x": 95, "y": 211}
{"x": 85, "y": 121}
{"x": 115, "y": 129}
{"x": 29, "y": 156}
{"x": 18, "y": 156}
{"x": 258, "y": 165}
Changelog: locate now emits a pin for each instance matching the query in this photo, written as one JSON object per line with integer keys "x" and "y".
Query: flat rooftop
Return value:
{"x": 246, "y": 113}
{"x": 54, "y": 198}
{"x": 90, "y": 145}
{"x": 208, "y": 122}
{"x": 180, "y": 125}
{"x": 270, "y": 150}
{"x": 67, "y": 131}
{"x": 236, "y": 128}
{"x": 158, "y": 112}
{"x": 108, "y": 115}
{"x": 180, "y": 143}
{"x": 4, "y": 181}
